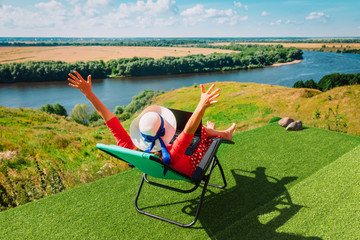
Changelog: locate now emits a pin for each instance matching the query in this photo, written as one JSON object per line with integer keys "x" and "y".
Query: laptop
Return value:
{"x": 182, "y": 118}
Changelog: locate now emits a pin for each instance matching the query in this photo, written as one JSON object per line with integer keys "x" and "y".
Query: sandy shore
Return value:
{"x": 287, "y": 63}
{"x": 88, "y": 53}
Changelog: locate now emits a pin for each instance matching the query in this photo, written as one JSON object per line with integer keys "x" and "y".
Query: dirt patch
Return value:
{"x": 88, "y": 53}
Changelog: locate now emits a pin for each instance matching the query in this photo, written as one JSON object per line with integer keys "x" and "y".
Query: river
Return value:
{"x": 113, "y": 92}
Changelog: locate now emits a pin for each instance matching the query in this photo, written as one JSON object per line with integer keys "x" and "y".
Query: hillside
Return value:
{"x": 253, "y": 105}
{"x": 42, "y": 154}
{"x": 281, "y": 185}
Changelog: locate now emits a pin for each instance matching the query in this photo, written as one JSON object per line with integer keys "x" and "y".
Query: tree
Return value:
{"x": 48, "y": 108}
{"x": 119, "y": 110}
{"x": 299, "y": 84}
{"x": 81, "y": 114}
{"x": 54, "y": 109}
{"x": 311, "y": 84}
{"x": 94, "y": 116}
{"x": 59, "y": 110}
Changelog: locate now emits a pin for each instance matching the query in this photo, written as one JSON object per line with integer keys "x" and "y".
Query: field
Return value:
{"x": 303, "y": 46}
{"x": 87, "y": 53}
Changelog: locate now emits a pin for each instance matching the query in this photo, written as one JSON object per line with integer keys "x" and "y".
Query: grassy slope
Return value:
{"x": 279, "y": 183}
{"x": 53, "y": 143}
{"x": 252, "y": 105}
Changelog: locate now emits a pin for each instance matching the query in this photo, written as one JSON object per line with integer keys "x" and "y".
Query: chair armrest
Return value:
{"x": 207, "y": 159}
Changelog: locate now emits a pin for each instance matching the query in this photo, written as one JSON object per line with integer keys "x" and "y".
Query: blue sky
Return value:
{"x": 179, "y": 18}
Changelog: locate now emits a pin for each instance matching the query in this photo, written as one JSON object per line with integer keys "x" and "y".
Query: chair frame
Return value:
{"x": 201, "y": 176}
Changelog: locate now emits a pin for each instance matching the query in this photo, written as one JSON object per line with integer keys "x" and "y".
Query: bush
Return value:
{"x": 60, "y": 110}
{"x": 95, "y": 116}
{"x": 48, "y": 108}
{"x": 119, "y": 110}
{"x": 54, "y": 109}
{"x": 81, "y": 114}
{"x": 140, "y": 101}
{"x": 299, "y": 84}
{"x": 311, "y": 84}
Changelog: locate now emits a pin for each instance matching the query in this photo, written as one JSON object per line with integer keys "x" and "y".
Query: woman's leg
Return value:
{"x": 212, "y": 132}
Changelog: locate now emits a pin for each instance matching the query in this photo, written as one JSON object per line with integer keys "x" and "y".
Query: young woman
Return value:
{"x": 154, "y": 128}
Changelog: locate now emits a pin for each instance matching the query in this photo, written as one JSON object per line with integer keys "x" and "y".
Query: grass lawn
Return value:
{"x": 281, "y": 185}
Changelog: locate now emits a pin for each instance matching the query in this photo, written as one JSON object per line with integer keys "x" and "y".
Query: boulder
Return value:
{"x": 284, "y": 122}
{"x": 294, "y": 126}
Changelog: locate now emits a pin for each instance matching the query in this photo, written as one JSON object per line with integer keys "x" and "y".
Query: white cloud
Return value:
{"x": 280, "y": 21}
{"x": 141, "y": 14}
{"x": 47, "y": 14}
{"x": 291, "y": 22}
{"x": 53, "y": 5}
{"x": 194, "y": 11}
{"x": 198, "y": 14}
{"x": 148, "y": 8}
{"x": 264, "y": 13}
{"x": 51, "y": 13}
{"x": 319, "y": 16}
{"x": 97, "y": 3}
{"x": 277, "y": 22}
{"x": 244, "y": 18}
{"x": 237, "y": 4}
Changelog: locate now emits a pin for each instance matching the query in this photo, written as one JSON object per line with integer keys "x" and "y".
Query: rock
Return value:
{"x": 285, "y": 121}
{"x": 294, "y": 126}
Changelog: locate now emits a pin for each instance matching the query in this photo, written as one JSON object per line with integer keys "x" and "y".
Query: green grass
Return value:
{"x": 252, "y": 105}
{"x": 281, "y": 185}
{"x": 41, "y": 154}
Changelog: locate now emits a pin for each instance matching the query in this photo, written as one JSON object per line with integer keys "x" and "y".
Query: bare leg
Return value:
{"x": 227, "y": 134}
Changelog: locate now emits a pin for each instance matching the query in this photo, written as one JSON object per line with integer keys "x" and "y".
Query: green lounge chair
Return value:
{"x": 151, "y": 165}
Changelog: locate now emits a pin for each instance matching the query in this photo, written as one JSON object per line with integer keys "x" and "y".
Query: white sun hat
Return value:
{"x": 148, "y": 124}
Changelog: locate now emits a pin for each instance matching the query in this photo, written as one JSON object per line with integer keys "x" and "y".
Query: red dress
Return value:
{"x": 178, "y": 160}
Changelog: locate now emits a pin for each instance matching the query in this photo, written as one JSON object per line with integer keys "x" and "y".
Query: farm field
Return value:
{"x": 303, "y": 46}
{"x": 88, "y": 53}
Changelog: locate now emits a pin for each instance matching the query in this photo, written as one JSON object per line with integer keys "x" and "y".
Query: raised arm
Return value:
{"x": 206, "y": 100}
{"x": 77, "y": 81}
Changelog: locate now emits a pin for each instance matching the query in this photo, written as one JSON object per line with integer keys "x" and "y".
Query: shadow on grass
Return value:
{"x": 253, "y": 209}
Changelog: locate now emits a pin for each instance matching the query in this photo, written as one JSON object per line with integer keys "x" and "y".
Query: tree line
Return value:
{"x": 330, "y": 81}
{"x": 251, "y": 56}
{"x": 100, "y": 42}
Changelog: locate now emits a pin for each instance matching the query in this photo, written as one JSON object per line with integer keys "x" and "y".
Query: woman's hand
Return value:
{"x": 81, "y": 84}
{"x": 208, "y": 97}
{"x": 206, "y": 100}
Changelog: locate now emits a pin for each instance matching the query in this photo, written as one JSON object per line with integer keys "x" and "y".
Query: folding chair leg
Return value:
{"x": 205, "y": 183}
{"x": 166, "y": 219}
{"x": 222, "y": 174}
